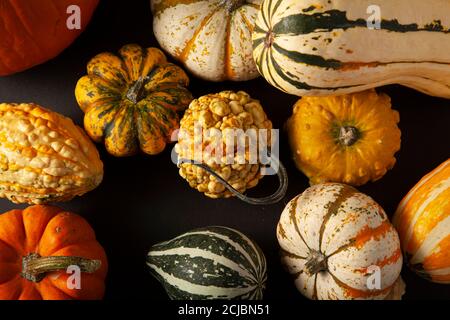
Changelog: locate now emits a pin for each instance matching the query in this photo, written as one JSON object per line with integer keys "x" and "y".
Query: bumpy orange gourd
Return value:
{"x": 49, "y": 240}
{"x": 34, "y": 31}
{"x": 131, "y": 100}
{"x": 349, "y": 139}
{"x": 219, "y": 116}
{"x": 423, "y": 222}
{"x": 44, "y": 156}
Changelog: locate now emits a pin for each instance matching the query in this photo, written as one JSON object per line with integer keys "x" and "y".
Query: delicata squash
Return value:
{"x": 334, "y": 47}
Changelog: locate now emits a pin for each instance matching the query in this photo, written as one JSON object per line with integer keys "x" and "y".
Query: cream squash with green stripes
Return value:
{"x": 423, "y": 222}
{"x": 325, "y": 47}
{"x": 337, "y": 243}
{"x": 210, "y": 263}
{"x": 212, "y": 38}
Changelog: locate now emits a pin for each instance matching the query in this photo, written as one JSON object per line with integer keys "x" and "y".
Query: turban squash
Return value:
{"x": 333, "y": 239}
{"x": 349, "y": 139}
{"x": 34, "y": 31}
{"x": 131, "y": 100}
{"x": 211, "y": 38}
{"x": 423, "y": 222}
{"x": 38, "y": 244}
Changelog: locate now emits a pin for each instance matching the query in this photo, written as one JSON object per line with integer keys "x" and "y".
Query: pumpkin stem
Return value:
{"x": 136, "y": 91}
{"x": 348, "y": 135}
{"x": 270, "y": 38}
{"x": 317, "y": 262}
{"x": 35, "y": 267}
{"x": 232, "y": 5}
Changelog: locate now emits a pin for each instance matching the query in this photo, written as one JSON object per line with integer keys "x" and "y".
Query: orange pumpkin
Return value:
{"x": 38, "y": 244}
{"x": 34, "y": 31}
{"x": 423, "y": 222}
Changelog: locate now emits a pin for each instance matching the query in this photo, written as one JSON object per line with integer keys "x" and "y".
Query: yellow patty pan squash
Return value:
{"x": 349, "y": 139}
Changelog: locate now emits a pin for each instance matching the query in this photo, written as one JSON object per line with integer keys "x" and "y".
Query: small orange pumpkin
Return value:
{"x": 38, "y": 244}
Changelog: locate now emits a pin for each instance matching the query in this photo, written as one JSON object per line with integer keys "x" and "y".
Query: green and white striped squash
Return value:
{"x": 333, "y": 238}
{"x": 210, "y": 263}
{"x": 325, "y": 47}
{"x": 212, "y": 38}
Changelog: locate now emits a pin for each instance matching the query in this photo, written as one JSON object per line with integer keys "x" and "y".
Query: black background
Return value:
{"x": 143, "y": 200}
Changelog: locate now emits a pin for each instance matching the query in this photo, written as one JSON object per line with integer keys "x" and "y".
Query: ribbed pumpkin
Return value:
{"x": 131, "y": 100}
{"x": 423, "y": 222}
{"x": 38, "y": 244}
{"x": 322, "y": 47}
{"x": 211, "y": 38}
{"x": 350, "y": 139}
{"x": 34, "y": 31}
{"x": 44, "y": 156}
{"x": 331, "y": 236}
{"x": 210, "y": 263}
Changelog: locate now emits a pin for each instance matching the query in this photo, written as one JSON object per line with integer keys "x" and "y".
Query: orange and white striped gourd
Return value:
{"x": 333, "y": 238}
{"x": 213, "y": 38}
{"x": 423, "y": 222}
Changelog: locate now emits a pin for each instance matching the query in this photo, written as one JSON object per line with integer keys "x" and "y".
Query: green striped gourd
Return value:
{"x": 334, "y": 239}
{"x": 209, "y": 263}
{"x": 325, "y": 47}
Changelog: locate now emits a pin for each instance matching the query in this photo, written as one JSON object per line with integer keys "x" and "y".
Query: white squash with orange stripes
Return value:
{"x": 423, "y": 222}
{"x": 212, "y": 38}
{"x": 334, "y": 239}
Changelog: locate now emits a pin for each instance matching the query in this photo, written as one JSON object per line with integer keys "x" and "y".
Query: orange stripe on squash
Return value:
{"x": 191, "y": 43}
{"x": 362, "y": 294}
{"x": 367, "y": 234}
{"x": 228, "y": 70}
{"x": 382, "y": 263}
{"x": 433, "y": 214}
{"x": 417, "y": 196}
{"x": 440, "y": 258}
{"x": 441, "y": 278}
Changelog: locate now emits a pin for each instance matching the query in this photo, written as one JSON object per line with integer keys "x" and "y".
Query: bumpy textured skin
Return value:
{"x": 223, "y": 111}
{"x": 210, "y": 263}
{"x": 48, "y": 231}
{"x": 125, "y": 125}
{"x": 423, "y": 222}
{"x": 313, "y": 133}
{"x": 329, "y": 47}
{"x": 44, "y": 156}
{"x": 354, "y": 234}
{"x": 34, "y": 31}
{"x": 211, "y": 38}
